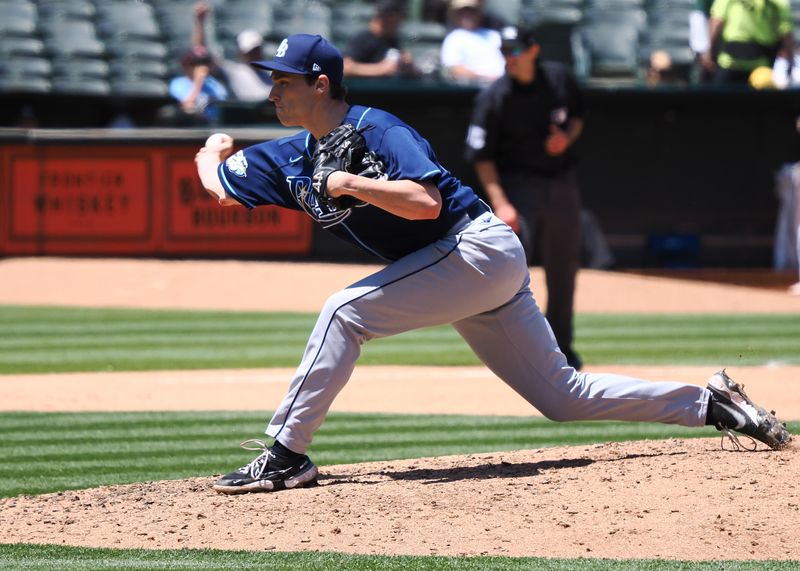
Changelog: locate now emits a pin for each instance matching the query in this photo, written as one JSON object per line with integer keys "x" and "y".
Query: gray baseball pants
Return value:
{"x": 477, "y": 279}
{"x": 550, "y": 212}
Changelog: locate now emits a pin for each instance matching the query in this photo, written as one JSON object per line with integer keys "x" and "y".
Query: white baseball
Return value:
{"x": 217, "y": 139}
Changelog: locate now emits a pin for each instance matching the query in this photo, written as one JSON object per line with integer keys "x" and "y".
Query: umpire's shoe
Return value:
{"x": 269, "y": 472}
{"x": 731, "y": 409}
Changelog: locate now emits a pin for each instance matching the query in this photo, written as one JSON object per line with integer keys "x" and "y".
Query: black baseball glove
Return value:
{"x": 343, "y": 149}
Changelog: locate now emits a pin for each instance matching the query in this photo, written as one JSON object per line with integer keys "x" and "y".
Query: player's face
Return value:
{"x": 293, "y": 98}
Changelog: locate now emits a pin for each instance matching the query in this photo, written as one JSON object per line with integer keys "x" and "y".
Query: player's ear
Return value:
{"x": 323, "y": 83}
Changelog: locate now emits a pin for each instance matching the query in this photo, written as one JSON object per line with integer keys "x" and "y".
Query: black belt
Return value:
{"x": 750, "y": 50}
{"x": 477, "y": 209}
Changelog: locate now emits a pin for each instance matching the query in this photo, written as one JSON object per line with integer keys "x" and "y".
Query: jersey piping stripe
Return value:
{"x": 364, "y": 114}
{"x": 229, "y": 188}
{"x": 335, "y": 311}
{"x": 430, "y": 173}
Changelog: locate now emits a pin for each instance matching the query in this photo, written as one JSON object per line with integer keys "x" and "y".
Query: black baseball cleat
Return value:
{"x": 268, "y": 473}
{"x": 731, "y": 409}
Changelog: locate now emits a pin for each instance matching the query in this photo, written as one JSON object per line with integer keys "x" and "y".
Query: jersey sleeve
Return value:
{"x": 409, "y": 157}
{"x": 252, "y": 176}
{"x": 481, "y": 140}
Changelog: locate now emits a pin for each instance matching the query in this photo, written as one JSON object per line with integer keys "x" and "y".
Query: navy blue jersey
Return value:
{"x": 279, "y": 172}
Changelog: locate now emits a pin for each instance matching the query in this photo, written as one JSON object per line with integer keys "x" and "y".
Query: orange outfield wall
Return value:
{"x": 144, "y": 200}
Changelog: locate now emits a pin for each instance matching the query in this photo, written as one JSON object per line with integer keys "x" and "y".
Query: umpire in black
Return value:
{"x": 520, "y": 140}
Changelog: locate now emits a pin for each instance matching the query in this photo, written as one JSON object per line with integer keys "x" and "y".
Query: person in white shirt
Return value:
{"x": 470, "y": 52}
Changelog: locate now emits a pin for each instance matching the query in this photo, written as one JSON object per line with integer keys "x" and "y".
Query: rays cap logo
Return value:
{"x": 307, "y": 55}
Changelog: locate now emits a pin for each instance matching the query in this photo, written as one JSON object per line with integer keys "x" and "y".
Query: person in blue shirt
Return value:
{"x": 448, "y": 260}
{"x": 197, "y": 91}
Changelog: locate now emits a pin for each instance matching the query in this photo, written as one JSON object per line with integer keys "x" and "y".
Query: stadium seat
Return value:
{"x": 175, "y": 19}
{"x": 349, "y": 19}
{"x": 506, "y": 10}
{"x": 16, "y": 25}
{"x": 301, "y": 18}
{"x": 85, "y": 76}
{"x": 242, "y": 10}
{"x": 352, "y": 13}
{"x": 607, "y": 51}
{"x": 79, "y": 86}
{"x": 227, "y": 28}
{"x": 25, "y": 74}
{"x": 615, "y": 4}
{"x": 20, "y": 46}
{"x": 88, "y": 68}
{"x": 664, "y": 32}
{"x": 72, "y": 38}
{"x": 425, "y": 32}
{"x": 426, "y": 56}
{"x": 299, "y": 25}
{"x": 553, "y": 28}
{"x": 671, "y": 5}
{"x": 136, "y": 67}
{"x": 66, "y": 9}
{"x": 21, "y": 10}
{"x": 138, "y": 49}
{"x": 528, "y": 5}
{"x": 616, "y": 15}
{"x": 139, "y": 87}
{"x": 117, "y": 19}
{"x": 26, "y": 67}
{"x": 796, "y": 13}
{"x": 20, "y": 84}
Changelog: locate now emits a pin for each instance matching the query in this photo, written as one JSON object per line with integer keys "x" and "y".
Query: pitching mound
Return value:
{"x": 677, "y": 499}
{"x": 664, "y": 499}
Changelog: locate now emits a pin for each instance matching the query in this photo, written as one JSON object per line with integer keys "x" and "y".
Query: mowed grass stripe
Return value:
{"x": 47, "y": 339}
{"x": 168, "y": 446}
{"x": 149, "y": 427}
{"x": 117, "y": 451}
{"x": 67, "y": 558}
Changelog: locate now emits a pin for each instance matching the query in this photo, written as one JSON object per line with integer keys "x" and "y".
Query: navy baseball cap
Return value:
{"x": 514, "y": 38}
{"x": 307, "y": 55}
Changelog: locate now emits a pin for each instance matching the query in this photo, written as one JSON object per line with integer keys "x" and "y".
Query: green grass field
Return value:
{"x": 37, "y": 339}
{"x": 55, "y": 558}
{"x": 45, "y": 452}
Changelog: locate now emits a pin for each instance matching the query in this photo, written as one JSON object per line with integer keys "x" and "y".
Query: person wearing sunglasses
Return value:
{"x": 520, "y": 140}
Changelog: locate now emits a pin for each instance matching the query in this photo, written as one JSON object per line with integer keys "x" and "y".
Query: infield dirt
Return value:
{"x": 676, "y": 499}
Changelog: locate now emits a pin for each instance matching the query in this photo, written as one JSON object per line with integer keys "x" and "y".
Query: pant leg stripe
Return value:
{"x": 305, "y": 377}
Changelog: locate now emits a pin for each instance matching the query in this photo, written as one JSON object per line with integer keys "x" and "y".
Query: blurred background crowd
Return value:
{"x": 196, "y": 53}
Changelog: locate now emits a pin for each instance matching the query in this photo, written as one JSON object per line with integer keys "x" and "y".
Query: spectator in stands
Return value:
{"x": 747, "y": 35}
{"x": 699, "y": 41}
{"x": 471, "y": 52}
{"x": 246, "y": 83}
{"x": 437, "y": 11}
{"x": 197, "y": 91}
{"x": 661, "y": 72}
{"x": 376, "y": 51}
